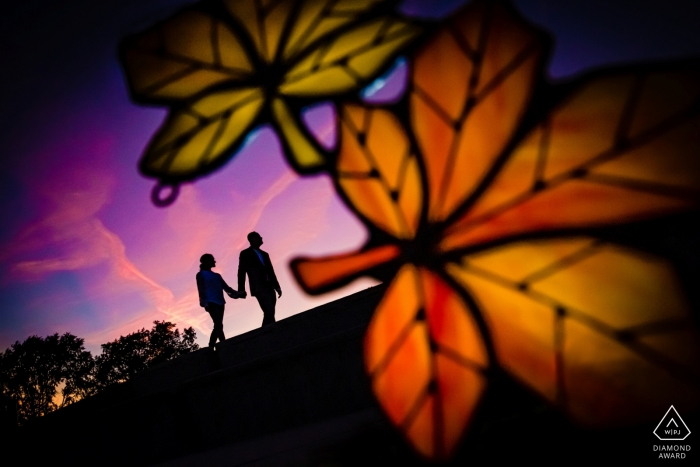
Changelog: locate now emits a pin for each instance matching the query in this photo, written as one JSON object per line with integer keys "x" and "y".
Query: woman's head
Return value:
{"x": 207, "y": 261}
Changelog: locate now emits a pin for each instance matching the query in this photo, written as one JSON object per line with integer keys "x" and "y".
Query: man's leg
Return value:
{"x": 267, "y": 300}
{"x": 217, "y": 315}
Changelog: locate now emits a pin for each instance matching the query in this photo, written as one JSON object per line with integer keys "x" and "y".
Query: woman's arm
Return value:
{"x": 201, "y": 289}
{"x": 229, "y": 290}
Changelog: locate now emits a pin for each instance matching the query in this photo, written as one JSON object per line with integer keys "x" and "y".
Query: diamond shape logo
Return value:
{"x": 671, "y": 427}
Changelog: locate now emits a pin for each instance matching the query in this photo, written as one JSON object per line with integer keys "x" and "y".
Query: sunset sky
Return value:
{"x": 83, "y": 249}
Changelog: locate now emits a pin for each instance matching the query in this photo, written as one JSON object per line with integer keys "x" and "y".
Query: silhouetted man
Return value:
{"x": 261, "y": 276}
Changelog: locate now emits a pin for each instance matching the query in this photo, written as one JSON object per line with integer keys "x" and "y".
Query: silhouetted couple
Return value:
{"x": 263, "y": 284}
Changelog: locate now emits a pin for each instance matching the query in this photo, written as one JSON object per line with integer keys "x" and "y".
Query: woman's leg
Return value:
{"x": 217, "y": 315}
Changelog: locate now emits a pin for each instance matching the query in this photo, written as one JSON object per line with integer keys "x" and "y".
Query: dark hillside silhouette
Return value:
{"x": 297, "y": 394}
{"x": 43, "y": 374}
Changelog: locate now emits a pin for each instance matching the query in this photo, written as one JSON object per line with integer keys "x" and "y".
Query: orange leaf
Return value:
{"x": 470, "y": 87}
{"x": 320, "y": 275}
{"x": 425, "y": 356}
{"x": 622, "y": 147}
{"x": 602, "y": 331}
{"x": 377, "y": 171}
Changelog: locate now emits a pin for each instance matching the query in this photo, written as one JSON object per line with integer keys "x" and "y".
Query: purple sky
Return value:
{"x": 83, "y": 250}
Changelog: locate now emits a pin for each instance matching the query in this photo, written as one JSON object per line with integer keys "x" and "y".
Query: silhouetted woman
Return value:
{"x": 210, "y": 286}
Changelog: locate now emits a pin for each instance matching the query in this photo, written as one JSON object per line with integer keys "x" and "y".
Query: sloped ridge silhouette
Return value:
{"x": 303, "y": 370}
{"x": 296, "y": 394}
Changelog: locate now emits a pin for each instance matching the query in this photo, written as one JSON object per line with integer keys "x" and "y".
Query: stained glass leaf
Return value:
{"x": 350, "y": 60}
{"x": 291, "y": 51}
{"x": 303, "y": 22}
{"x": 426, "y": 359}
{"x": 598, "y": 329}
{"x": 470, "y": 87}
{"x": 621, "y": 147}
{"x": 320, "y": 275}
{"x": 202, "y": 136}
{"x": 263, "y": 21}
{"x": 487, "y": 183}
{"x": 378, "y": 172}
{"x": 305, "y": 152}
{"x": 182, "y": 57}
{"x": 346, "y": 63}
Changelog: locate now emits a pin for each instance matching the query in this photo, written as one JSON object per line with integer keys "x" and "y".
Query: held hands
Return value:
{"x": 236, "y": 294}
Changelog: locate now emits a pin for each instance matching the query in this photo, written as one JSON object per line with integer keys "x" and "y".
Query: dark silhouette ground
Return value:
{"x": 295, "y": 394}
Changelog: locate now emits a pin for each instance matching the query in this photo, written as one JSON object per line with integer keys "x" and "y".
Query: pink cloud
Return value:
{"x": 134, "y": 263}
{"x": 68, "y": 236}
{"x": 172, "y": 241}
{"x": 191, "y": 229}
{"x": 239, "y": 238}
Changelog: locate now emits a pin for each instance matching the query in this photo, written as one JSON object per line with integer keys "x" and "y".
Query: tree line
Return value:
{"x": 43, "y": 374}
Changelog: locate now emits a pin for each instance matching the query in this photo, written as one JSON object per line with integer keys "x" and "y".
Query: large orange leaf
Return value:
{"x": 490, "y": 189}
{"x": 600, "y": 330}
{"x": 623, "y": 146}
{"x": 426, "y": 358}
{"x": 323, "y": 274}
{"x": 470, "y": 88}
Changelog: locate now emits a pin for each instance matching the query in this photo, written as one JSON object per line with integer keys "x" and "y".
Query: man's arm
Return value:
{"x": 241, "y": 275}
{"x": 273, "y": 277}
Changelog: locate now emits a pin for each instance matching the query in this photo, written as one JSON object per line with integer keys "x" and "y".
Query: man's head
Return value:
{"x": 255, "y": 239}
{"x": 207, "y": 261}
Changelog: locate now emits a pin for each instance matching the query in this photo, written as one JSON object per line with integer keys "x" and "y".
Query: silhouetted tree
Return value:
{"x": 43, "y": 374}
{"x": 126, "y": 356}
